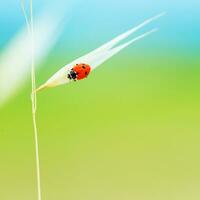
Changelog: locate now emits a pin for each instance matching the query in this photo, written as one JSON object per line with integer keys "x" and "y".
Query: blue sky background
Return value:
{"x": 96, "y": 22}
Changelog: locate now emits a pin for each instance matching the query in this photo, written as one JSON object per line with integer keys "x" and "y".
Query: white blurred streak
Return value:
{"x": 15, "y": 59}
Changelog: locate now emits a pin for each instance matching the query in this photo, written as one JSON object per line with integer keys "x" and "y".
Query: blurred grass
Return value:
{"x": 130, "y": 131}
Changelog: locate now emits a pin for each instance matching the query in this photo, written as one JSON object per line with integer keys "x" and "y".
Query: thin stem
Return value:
{"x": 25, "y": 15}
{"x": 30, "y": 27}
{"x": 34, "y": 104}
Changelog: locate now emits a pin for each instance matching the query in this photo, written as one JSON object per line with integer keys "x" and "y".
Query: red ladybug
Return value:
{"x": 79, "y": 71}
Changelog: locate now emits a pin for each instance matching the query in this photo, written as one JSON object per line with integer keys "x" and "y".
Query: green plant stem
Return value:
{"x": 30, "y": 26}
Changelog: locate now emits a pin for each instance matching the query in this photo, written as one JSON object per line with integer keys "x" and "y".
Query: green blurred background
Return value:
{"x": 130, "y": 131}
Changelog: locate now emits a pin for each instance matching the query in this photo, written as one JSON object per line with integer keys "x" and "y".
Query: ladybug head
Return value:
{"x": 72, "y": 75}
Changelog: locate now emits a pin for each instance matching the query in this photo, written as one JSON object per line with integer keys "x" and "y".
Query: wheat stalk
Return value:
{"x": 30, "y": 27}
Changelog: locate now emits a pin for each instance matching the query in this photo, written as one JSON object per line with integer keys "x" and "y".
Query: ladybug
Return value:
{"x": 79, "y": 71}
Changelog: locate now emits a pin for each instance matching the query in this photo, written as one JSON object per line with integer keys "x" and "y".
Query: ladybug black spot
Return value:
{"x": 83, "y": 66}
